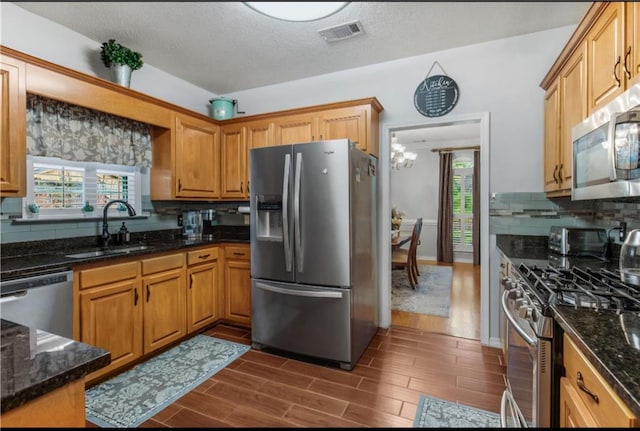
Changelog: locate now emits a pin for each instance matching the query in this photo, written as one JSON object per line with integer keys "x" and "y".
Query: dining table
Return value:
{"x": 398, "y": 240}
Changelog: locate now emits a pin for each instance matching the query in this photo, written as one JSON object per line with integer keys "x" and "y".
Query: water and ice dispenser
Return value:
{"x": 269, "y": 218}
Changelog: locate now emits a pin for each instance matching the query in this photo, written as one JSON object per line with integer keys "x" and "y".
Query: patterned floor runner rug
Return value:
{"x": 437, "y": 413}
{"x": 130, "y": 398}
{"x": 432, "y": 294}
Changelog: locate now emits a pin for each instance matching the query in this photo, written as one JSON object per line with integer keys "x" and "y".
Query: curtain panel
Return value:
{"x": 70, "y": 132}
{"x": 476, "y": 207}
{"x": 445, "y": 211}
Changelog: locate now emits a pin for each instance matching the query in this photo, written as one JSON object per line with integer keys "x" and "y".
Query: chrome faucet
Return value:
{"x": 106, "y": 236}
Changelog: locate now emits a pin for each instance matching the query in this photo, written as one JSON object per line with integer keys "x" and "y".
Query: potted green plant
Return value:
{"x": 120, "y": 60}
{"x": 87, "y": 209}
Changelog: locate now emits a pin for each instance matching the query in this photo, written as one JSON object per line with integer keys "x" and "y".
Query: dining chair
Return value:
{"x": 406, "y": 258}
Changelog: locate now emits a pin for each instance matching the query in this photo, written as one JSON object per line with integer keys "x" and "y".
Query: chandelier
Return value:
{"x": 399, "y": 157}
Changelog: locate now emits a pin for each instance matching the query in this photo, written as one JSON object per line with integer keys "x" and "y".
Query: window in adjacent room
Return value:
{"x": 463, "y": 202}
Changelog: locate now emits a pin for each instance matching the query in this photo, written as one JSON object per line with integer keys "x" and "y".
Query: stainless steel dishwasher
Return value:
{"x": 43, "y": 301}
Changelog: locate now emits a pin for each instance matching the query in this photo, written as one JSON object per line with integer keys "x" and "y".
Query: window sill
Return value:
{"x": 64, "y": 219}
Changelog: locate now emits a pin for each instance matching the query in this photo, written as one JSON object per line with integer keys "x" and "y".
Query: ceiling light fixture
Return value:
{"x": 297, "y": 11}
{"x": 399, "y": 157}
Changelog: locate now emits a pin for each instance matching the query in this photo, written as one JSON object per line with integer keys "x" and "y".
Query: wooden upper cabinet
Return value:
{"x": 260, "y": 134}
{"x": 13, "y": 134}
{"x": 293, "y": 129}
{"x": 233, "y": 161}
{"x": 196, "y": 158}
{"x": 573, "y": 109}
{"x": 632, "y": 50}
{"x": 605, "y": 57}
{"x": 551, "y": 137}
{"x": 565, "y": 106}
{"x": 350, "y": 123}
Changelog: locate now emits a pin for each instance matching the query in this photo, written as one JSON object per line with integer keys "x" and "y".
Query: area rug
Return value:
{"x": 130, "y": 398}
{"x": 432, "y": 294}
{"x": 437, "y": 413}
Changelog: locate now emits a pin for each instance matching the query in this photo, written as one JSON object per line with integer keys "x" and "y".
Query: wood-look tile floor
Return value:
{"x": 263, "y": 389}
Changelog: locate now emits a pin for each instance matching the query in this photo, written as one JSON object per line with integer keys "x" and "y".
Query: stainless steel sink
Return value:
{"x": 98, "y": 253}
{"x": 130, "y": 249}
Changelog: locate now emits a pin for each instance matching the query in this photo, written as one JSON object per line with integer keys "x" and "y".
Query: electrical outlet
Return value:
{"x": 623, "y": 230}
{"x": 179, "y": 219}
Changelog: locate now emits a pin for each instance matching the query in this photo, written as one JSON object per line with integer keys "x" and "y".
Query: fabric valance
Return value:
{"x": 70, "y": 132}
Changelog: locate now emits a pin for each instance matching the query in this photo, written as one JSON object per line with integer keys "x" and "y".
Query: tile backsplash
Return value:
{"x": 534, "y": 213}
{"x": 159, "y": 215}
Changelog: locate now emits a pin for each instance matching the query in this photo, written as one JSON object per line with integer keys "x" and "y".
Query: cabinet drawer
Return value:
{"x": 609, "y": 410}
{"x": 237, "y": 252}
{"x": 107, "y": 274}
{"x": 162, "y": 263}
{"x": 202, "y": 255}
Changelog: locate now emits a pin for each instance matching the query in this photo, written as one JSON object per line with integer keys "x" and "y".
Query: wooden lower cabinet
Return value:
{"x": 237, "y": 286}
{"x": 164, "y": 317}
{"x": 203, "y": 280}
{"x": 135, "y": 307}
{"x": 579, "y": 388}
{"x": 573, "y": 412}
{"x": 61, "y": 408}
{"x": 110, "y": 299}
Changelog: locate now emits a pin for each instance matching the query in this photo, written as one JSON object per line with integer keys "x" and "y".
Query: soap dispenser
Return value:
{"x": 123, "y": 234}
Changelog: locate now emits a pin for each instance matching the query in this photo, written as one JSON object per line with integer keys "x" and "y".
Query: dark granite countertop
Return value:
{"x": 36, "y": 362}
{"x": 25, "y": 259}
{"x": 599, "y": 334}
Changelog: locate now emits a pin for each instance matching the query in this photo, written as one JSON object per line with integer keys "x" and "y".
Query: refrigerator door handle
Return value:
{"x": 337, "y": 295}
{"x": 296, "y": 213}
{"x": 285, "y": 212}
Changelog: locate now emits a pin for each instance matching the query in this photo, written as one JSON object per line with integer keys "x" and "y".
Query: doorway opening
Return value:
{"x": 414, "y": 192}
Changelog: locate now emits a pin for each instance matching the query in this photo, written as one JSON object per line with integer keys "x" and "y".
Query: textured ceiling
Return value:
{"x": 225, "y": 47}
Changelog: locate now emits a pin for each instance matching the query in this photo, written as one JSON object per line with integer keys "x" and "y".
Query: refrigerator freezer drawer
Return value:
{"x": 312, "y": 321}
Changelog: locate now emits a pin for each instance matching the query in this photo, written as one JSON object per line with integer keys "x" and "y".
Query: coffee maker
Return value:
{"x": 191, "y": 224}
{"x": 208, "y": 218}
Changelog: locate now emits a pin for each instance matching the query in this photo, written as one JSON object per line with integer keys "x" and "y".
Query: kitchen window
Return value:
{"x": 61, "y": 187}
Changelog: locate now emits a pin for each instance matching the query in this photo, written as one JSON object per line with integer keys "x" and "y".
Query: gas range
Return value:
{"x": 597, "y": 289}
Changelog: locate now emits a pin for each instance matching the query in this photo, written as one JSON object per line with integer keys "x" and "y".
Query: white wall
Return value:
{"x": 500, "y": 77}
{"x": 414, "y": 191}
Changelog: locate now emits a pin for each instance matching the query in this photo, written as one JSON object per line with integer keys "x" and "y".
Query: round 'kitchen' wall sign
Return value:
{"x": 436, "y": 96}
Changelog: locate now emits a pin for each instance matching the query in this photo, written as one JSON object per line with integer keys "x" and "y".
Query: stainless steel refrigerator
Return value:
{"x": 313, "y": 249}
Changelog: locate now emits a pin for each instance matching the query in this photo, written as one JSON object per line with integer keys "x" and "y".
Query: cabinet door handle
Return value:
{"x": 248, "y": 188}
{"x": 237, "y": 253}
{"x": 179, "y": 184}
{"x": 204, "y": 256}
{"x": 190, "y": 281}
{"x": 241, "y": 183}
{"x": 148, "y": 293}
{"x": 626, "y": 69}
{"x": 583, "y": 387}
{"x": 615, "y": 66}
{"x": 560, "y": 173}
{"x": 135, "y": 296}
{"x": 555, "y": 171}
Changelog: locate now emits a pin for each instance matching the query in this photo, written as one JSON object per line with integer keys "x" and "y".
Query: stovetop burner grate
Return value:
{"x": 582, "y": 288}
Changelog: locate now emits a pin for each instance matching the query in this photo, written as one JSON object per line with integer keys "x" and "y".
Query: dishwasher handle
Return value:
{"x": 13, "y": 296}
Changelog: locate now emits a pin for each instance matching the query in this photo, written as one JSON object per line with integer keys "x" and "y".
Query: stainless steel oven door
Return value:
{"x": 528, "y": 370}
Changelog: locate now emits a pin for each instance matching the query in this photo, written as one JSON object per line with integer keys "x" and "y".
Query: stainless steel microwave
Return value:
{"x": 606, "y": 150}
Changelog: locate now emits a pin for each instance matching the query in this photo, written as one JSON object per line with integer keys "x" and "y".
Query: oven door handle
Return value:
{"x": 527, "y": 338}
{"x": 507, "y": 398}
